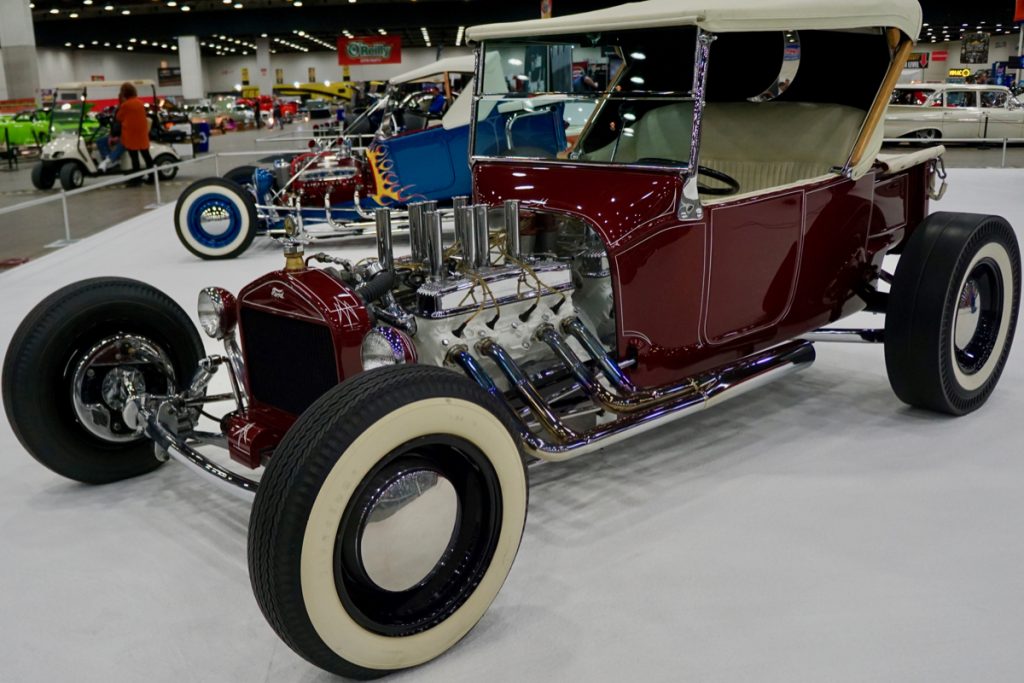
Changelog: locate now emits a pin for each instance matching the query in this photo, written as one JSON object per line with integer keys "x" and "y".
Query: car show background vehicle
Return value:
{"x": 691, "y": 246}
{"x": 25, "y": 128}
{"x": 72, "y": 156}
{"x": 333, "y": 189}
{"x": 930, "y": 111}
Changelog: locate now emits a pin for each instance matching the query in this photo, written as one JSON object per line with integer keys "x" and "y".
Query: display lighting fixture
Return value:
{"x": 426, "y": 36}
{"x": 459, "y": 36}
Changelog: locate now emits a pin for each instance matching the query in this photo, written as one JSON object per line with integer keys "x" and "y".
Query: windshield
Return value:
{"x": 589, "y": 97}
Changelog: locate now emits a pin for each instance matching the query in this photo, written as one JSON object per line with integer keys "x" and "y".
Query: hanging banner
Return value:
{"x": 245, "y": 76}
{"x": 940, "y": 56}
{"x": 279, "y": 76}
{"x": 545, "y": 8}
{"x": 1019, "y": 15}
{"x": 312, "y": 74}
{"x": 917, "y": 60}
{"x": 369, "y": 50}
{"x": 975, "y": 48}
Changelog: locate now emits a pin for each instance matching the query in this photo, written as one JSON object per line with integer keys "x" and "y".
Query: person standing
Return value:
{"x": 134, "y": 128}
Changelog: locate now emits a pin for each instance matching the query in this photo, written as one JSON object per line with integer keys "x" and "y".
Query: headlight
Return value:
{"x": 384, "y": 346}
{"x": 218, "y": 312}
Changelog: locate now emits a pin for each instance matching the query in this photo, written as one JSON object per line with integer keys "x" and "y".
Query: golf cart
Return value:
{"x": 71, "y": 155}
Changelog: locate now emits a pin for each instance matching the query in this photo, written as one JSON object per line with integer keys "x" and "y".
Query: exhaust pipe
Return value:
{"x": 705, "y": 390}
{"x": 435, "y": 244}
{"x": 417, "y": 238}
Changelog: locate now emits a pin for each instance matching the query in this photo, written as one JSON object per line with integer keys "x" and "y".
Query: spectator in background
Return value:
{"x": 109, "y": 145}
{"x": 134, "y": 128}
{"x": 278, "y": 116}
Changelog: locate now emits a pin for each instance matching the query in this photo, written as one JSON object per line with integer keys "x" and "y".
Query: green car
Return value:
{"x": 40, "y": 126}
{"x": 25, "y": 128}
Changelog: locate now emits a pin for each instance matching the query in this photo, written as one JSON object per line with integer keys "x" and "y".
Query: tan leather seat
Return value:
{"x": 762, "y": 145}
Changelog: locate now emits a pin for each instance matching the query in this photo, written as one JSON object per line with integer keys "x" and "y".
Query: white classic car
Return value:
{"x": 927, "y": 111}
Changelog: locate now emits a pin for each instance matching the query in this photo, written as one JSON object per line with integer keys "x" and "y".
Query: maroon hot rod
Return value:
{"x": 720, "y": 208}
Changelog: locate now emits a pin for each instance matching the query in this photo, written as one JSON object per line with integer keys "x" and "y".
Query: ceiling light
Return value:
{"x": 86, "y": 2}
{"x": 126, "y": 11}
{"x": 237, "y": 5}
{"x": 109, "y": 8}
{"x": 67, "y": 44}
{"x": 185, "y": 8}
{"x": 171, "y": 3}
{"x": 73, "y": 15}
{"x": 53, "y": 11}
{"x": 81, "y": 46}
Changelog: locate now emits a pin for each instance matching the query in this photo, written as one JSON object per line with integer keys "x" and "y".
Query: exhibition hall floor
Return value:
{"x": 816, "y": 530}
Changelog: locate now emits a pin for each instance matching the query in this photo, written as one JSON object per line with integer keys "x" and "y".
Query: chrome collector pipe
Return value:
{"x": 637, "y": 410}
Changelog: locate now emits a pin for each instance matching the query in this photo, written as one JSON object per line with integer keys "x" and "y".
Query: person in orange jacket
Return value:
{"x": 134, "y": 128}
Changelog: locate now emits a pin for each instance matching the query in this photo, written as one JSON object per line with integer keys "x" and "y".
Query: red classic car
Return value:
{"x": 720, "y": 210}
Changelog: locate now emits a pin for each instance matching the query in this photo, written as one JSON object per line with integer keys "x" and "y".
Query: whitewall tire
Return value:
{"x": 215, "y": 218}
{"x": 388, "y": 520}
{"x": 952, "y": 312}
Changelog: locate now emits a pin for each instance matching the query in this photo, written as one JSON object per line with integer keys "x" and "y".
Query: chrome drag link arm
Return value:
{"x": 143, "y": 414}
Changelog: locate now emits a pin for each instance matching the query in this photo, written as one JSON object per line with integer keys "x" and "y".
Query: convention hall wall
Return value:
{"x": 57, "y": 65}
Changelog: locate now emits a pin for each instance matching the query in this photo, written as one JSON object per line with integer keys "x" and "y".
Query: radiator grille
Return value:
{"x": 290, "y": 362}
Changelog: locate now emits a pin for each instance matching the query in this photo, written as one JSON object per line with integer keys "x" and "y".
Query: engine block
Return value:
{"x": 506, "y": 303}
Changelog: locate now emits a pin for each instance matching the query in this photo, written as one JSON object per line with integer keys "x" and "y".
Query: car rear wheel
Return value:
{"x": 241, "y": 175}
{"x": 165, "y": 160}
{"x": 215, "y": 218}
{"x": 72, "y": 175}
{"x": 387, "y": 520}
{"x": 63, "y": 370}
{"x": 927, "y": 135}
{"x": 43, "y": 176}
{"x": 952, "y": 312}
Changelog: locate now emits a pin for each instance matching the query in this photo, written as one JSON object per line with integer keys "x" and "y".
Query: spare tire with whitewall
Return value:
{"x": 61, "y": 387}
{"x": 387, "y": 520}
{"x": 216, "y": 218}
{"x": 952, "y": 312}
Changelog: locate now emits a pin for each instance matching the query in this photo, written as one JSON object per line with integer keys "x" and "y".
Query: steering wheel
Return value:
{"x": 732, "y": 185}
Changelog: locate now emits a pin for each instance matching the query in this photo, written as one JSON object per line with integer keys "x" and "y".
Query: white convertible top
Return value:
{"x": 465, "y": 64}
{"x": 722, "y": 16}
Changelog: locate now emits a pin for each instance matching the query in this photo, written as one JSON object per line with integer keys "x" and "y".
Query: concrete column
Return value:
{"x": 193, "y": 85}
{"x": 264, "y": 77}
{"x": 18, "y": 40}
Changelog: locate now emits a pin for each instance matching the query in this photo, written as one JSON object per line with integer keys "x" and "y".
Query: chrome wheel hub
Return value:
{"x": 408, "y": 529}
{"x": 215, "y": 220}
{"x": 968, "y": 315}
{"x": 109, "y": 374}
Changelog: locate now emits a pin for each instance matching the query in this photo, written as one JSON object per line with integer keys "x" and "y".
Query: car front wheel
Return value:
{"x": 952, "y": 312}
{"x": 387, "y": 520}
{"x": 63, "y": 376}
{"x": 215, "y": 218}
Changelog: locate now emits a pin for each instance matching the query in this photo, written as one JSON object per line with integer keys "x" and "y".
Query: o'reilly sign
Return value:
{"x": 369, "y": 50}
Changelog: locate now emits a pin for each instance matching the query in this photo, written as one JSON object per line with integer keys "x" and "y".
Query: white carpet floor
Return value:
{"x": 817, "y": 530}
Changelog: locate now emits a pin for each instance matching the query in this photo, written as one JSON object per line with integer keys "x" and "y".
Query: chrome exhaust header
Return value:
{"x": 385, "y": 248}
{"x": 637, "y": 411}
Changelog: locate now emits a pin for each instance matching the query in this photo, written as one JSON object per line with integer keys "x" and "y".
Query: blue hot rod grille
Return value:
{"x": 290, "y": 362}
